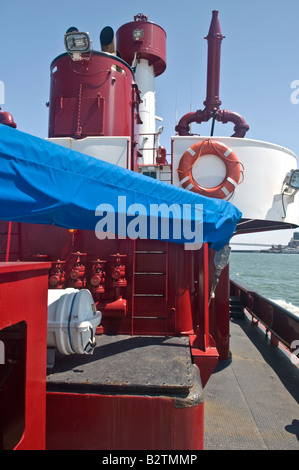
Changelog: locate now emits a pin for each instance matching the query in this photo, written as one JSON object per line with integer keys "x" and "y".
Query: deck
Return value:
{"x": 251, "y": 400}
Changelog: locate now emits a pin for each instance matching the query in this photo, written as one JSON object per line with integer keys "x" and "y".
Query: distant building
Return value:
{"x": 291, "y": 247}
{"x": 294, "y": 242}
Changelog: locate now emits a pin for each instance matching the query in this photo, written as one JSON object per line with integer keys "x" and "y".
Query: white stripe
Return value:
{"x": 228, "y": 152}
{"x": 184, "y": 180}
{"x": 190, "y": 186}
{"x": 226, "y": 192}
{"x": 191, "y": 151}
{"x": 232, "y": 182}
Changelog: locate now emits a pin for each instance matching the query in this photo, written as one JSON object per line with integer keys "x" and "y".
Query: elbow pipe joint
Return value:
{"x": 241, "y": 127}
{"x": 183, "y": 127}
{"x": 224, "y": 116}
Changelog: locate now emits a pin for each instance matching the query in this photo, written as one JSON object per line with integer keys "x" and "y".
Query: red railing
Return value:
{"x": 281, "y": 323}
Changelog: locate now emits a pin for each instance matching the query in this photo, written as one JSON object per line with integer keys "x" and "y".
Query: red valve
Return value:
{"x": 57, "y": 275}
{"x": 118, "y": 270}
{"x": 97, "y": 278}
{"x": 77, "y": 274}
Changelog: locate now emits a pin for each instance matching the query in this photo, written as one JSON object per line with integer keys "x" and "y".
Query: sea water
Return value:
{"x": 273, "y": 275}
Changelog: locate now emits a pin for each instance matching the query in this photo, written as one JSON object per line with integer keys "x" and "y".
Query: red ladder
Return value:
{"x": 150, "y": 287}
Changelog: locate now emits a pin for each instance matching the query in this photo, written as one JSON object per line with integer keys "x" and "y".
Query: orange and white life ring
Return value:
{"x": 209, "y": 147}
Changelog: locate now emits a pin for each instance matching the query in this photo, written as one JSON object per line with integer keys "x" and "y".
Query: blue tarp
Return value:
{"x": 45, "y": 183}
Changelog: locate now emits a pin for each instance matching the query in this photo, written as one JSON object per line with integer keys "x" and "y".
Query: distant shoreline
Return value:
{"x": 266, "y": 252}
{"x": 245, "y": 251}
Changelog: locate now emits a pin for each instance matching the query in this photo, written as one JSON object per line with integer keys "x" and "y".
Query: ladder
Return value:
{"x": 150, "y": 287}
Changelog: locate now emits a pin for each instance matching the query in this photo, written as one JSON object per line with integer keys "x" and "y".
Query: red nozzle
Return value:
{"x": 214, "y": 30}
{"x": 213, "y": 75}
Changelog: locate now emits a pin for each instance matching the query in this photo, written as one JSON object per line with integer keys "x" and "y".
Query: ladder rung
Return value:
{"x": 155, "y": 274}
{"x": 150, "y": 252}
{"x": 149, "y": 318}
{"x": 149, "y": 295}
{"x": 6, "y": 233}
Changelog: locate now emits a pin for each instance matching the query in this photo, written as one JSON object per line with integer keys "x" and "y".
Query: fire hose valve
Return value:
{"x": 98, "y": 277}
{"x": 118, "y": 270}
{"x": 57, "y": 275}
{"x": 77, "y": 274}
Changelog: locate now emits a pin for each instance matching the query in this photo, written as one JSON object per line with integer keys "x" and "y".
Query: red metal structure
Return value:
{"x": 141, "y": 39}
{"x": 7, "y": 119}
{"x": 212, "y": 103}
{"x": 92, "y": 92}
{"x": 145, "y": 289}
{"x": 23, "y": 333}
{"x": 160, "y": 336}
{"x": 281, "y": 324}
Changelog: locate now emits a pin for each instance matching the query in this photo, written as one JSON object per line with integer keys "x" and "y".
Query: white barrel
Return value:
{"x": 264, "y": 166}
{"x": 72, "y": 321}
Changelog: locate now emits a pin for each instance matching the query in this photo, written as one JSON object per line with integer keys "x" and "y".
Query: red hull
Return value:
{"x": 139, "y": 421}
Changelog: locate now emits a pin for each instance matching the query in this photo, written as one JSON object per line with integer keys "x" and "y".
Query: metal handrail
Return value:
{"x": 284, "y": 325}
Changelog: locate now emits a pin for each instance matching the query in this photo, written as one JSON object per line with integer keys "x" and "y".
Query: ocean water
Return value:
{"x": 273, "y": 275}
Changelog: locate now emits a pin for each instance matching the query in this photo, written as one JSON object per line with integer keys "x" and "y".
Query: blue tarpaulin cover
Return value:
{"x": 45, "y": 183}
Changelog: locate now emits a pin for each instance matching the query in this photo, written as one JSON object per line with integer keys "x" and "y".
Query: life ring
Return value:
{"x": 233, "y": 171}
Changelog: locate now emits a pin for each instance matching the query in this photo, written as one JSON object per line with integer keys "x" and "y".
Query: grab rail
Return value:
{"x": 284, "y": 325}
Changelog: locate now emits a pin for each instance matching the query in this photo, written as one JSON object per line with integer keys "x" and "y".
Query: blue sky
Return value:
{"x": 259, "y": 59}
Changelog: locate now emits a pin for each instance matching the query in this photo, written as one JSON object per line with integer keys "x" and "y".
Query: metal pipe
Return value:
{"x": 229, "y": 116}
{"x": 212, "y": 101}
{"x": 183, "y": 127}
{"x": 8, "y": 242}
{"x": 214, "y": 39}
{"x": 114, "y": 308}
{"x": 107, "y": 40}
